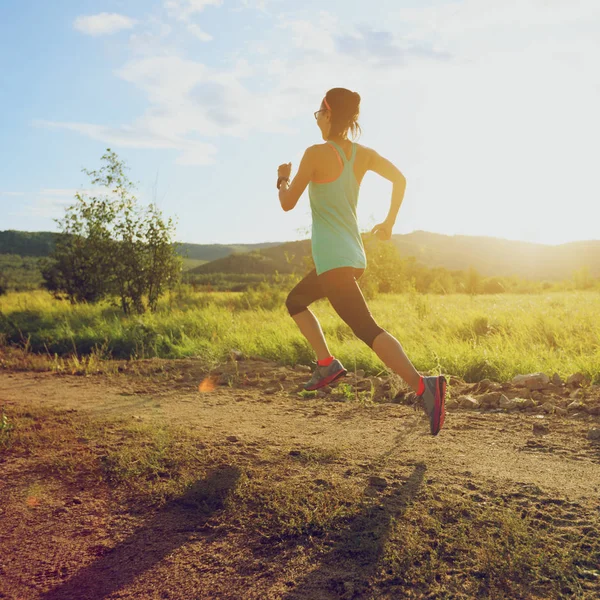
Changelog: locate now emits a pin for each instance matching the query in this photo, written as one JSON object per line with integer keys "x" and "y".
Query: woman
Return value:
{"x": 333, "y": 172}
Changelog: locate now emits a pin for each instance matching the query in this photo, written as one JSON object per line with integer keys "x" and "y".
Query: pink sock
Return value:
{"x": 325, "y": 362}
{"x": 421, "y": 386}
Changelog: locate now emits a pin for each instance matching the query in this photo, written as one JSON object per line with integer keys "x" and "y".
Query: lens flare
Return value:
{"x": 207, "y": 385}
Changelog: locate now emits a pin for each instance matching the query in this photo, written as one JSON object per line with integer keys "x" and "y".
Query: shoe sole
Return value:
{"x": 326, "y": 380}
{"x": 439, "y": 410}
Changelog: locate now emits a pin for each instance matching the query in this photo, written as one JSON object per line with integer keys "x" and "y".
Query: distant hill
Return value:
{"x": 284, "y": 258}
{"x": 40, "y": 243}
{"x": 26, "y": 243}
{"x": 497, "y": 256}
{"x": 489, "y": 255}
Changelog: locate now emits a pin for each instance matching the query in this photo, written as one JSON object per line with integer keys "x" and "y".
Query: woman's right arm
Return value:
{"x": 389, "y": 171}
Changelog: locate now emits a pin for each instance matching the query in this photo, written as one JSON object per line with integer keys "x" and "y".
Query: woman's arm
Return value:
{"x": 389, "y": 171}
{"x": 289, "y": 195}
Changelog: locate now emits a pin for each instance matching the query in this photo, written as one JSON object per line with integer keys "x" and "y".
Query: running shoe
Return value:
{"x": 433, "y": 402}
{"x": 325, "y": 375}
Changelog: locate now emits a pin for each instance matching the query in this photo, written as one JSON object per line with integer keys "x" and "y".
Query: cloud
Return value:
{"x": 53, "y": 202}
{"x": 139, "y": 136}
{"x": 199, "y": 33}
{"x": 380, "y": 48}
{"x": 103, "y": 23}
{"x": 457, "y": 18}
{"x": 259, "y": 5}
{"x": 182, "y": 10}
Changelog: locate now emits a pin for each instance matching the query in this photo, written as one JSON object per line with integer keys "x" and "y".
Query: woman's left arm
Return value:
{"x": 289, "y": 195}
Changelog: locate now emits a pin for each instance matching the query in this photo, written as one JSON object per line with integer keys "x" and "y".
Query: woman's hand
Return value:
{"x": 284, "y": 170}
{"x": 383, "y": 231}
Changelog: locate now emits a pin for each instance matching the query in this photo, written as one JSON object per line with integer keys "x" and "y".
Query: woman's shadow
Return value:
{"x": 347, "y": 569}
{"x": 166, "y": 531}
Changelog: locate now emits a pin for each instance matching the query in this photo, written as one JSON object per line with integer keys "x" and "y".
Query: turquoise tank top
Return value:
{"x": 336, "y": 241}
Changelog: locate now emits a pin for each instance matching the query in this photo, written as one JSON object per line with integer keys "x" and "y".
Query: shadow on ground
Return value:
{"x": 348, "y": 569}
{"x": 166, "y": 531}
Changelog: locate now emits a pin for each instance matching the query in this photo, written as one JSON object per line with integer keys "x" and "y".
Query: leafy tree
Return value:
{"x": 473, "y": 282}
{"x": 582, "y": 278}
{"x": 109, "y": 246}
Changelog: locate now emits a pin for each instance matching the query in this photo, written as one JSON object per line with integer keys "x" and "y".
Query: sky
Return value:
{"x": 488, "y": 107}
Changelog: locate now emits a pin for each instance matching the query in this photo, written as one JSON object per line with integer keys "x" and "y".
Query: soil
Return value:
{"x": 78, "y": 544}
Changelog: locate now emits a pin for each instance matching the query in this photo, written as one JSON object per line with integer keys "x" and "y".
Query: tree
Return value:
{"x": 582, "y": 278}
{"x": 110, "y": 246}
{"x": 473, "y": 282}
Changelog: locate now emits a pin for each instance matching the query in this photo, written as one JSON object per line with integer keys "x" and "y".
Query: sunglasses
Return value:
{"x": 316, "y": 113}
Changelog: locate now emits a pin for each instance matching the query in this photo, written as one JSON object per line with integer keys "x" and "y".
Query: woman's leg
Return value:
{"x": 342, "y": 289}
{"x": 304, "y": 293}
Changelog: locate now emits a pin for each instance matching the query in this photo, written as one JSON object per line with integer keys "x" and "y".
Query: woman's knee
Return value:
{"x": 294, "y": 305}
{"x": 368, "y": 332}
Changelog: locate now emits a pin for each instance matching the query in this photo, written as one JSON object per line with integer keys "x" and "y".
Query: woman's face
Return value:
{"x": 324, "y": 120}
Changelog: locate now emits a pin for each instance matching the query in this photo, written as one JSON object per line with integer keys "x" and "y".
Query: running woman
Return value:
{"x": 333, "y": 172}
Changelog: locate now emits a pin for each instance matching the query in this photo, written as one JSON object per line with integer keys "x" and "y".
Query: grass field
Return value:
{"x": 488, "y": 336}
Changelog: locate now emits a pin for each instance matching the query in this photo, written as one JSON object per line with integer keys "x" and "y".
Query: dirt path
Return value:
{"x": 475, "y": 451}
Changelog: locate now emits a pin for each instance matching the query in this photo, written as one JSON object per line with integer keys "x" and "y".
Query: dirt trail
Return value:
{"x": 474, "y": 449}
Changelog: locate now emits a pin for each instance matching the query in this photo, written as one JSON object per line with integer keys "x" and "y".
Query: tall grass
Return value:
{"x": 493, "y": 336}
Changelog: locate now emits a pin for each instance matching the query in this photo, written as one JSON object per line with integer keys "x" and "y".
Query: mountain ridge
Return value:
{"x": 489, "y": 255}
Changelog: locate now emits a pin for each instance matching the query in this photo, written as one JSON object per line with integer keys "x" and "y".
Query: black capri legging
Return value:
{"x": 341, "y": 288}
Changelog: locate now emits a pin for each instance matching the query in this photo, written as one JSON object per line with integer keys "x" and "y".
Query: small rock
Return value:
{"x": 556, "y": 380}
{"x": 236, "y": 355}
{"x": 507, "y": 403}
{"x": 491, "y": 399}
{"x": 549, "y": 407}
{"x": 576, "y": 394}
{"x": 537, "y": 396}
{"x": 377, "y": 482}
{"x": 303, "y": 368}
{"x": 523, "y": 403}
{"x": 594, "y": 410}
{"x": 576, "y": 405}
{"x": 541, "y": 429}
{"x": 559, "y": 410}
{"x": 363, "y": 385}
{"x": 451, "y": 403}
{"x": 532, "y": 381}
{"x": 76, "y": 500}
{"x": 136, "y": 417}
{"x": 232, "y": 438}
{"x": 468, "y": 402}
{"x": 485, "y": 384}
{"x": 594, "y": 434}
{"x": 271, "y": 390}
{"x": 360, "y": 373}
{"x": 577, "y": 380}
{"x": 295, "y": 453}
